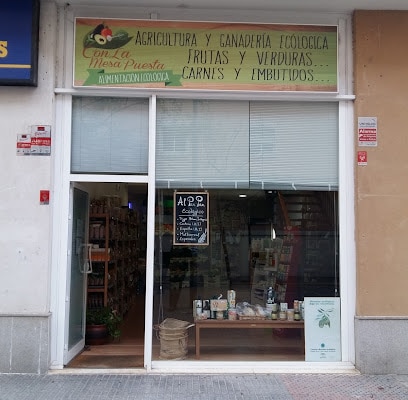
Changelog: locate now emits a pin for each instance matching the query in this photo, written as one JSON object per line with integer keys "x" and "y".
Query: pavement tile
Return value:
{"x": 203, "y": 387}
{"x": 344, "y": 387}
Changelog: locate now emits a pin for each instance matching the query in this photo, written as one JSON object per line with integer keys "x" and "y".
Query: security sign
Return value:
{"x": 41, "y": 140}
{"x": 37, "y": 143}
{"x": 23, "y": 145}
{"x": 367, "y": 131}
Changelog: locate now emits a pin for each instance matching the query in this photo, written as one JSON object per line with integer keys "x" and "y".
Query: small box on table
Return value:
{"x": 219, "y": 305}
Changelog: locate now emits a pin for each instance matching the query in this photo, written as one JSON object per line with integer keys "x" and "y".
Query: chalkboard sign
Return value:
{"x": 191, "y": 218}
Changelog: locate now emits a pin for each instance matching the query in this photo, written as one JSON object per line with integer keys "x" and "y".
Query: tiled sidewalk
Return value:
{"x": 204, "y": 387}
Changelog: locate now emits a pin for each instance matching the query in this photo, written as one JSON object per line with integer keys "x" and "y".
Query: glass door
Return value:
{"x": 80, "y": 266}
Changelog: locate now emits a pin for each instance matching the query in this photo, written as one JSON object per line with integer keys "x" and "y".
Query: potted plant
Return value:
{"x": 101, "y": 323}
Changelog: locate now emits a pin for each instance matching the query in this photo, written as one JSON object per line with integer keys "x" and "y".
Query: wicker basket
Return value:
{"x": 173, "y": 336}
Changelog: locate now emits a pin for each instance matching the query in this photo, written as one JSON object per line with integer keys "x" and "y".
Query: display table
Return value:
{"x": 242, "y": 324}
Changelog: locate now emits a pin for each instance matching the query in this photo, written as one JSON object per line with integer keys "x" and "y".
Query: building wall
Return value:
{"x": 26, "y": 236}
{"x": 381, "y": 88}
{"x": 25, "y": 224}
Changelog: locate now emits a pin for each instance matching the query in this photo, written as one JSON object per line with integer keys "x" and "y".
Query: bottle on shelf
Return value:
{"x": 269, "y": 296}
{"x": 270, "y": 300}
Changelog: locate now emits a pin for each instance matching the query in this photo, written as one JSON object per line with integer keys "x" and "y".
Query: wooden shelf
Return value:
{"x": 114, "y": 260}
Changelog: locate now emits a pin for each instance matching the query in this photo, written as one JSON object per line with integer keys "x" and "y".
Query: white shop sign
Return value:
{"x": 322, "y": 329}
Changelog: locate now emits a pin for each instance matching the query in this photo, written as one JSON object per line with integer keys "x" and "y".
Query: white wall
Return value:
{"x": 25, "y": 224}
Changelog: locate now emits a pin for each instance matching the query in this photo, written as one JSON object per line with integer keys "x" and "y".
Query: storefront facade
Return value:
{"x": 205, "y": 140}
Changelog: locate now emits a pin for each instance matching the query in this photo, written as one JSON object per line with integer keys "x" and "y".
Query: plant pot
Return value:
{"x": 96, "y": 334}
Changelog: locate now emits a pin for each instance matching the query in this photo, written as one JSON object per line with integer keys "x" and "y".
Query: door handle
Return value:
{"x": 88, "y": 269}
{"x": 86, "y": 266}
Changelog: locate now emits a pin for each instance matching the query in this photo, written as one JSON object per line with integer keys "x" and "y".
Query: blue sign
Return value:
{"x": 19, "y": 22}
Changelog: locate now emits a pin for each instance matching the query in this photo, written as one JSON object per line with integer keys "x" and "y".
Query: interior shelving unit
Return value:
{"x": 275, "y": 264}
{"x": 265, "y": 257}
{"x": 287, "y": 280}
{"x": 116, "y": 259}
{"x": 101, "y": 291}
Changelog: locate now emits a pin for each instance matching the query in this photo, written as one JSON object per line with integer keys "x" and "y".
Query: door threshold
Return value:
{"x": 98, "y": 371}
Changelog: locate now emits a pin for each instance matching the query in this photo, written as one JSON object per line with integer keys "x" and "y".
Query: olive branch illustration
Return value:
{"x": 323, "y": 317}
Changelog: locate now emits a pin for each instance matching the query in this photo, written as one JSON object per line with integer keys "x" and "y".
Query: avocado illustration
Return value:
{"x": 102, "y": 37}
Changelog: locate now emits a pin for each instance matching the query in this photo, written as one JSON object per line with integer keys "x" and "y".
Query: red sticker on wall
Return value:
{"x": 362, "y": 158}
{"x": 44, "y": 197}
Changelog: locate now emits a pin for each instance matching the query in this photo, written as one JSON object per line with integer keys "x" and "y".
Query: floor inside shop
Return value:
{"x": 216, "y": 345}
{"x": 125, "y": 352}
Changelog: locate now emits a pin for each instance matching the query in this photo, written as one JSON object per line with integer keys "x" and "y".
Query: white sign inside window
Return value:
{"x": 322, "y": 329}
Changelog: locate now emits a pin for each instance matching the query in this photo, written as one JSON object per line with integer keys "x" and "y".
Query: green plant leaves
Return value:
{"x": 324, "y": 317}
{"x": 105, "y": 316}
{"x": 324, "y": 321}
